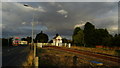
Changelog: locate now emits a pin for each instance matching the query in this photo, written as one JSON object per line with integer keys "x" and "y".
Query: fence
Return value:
{"x": 106, "y": 47}
{"x": 52, "y": 44}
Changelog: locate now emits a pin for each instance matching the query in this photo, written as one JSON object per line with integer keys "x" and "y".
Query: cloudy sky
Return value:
{"x": 57, "y": 17}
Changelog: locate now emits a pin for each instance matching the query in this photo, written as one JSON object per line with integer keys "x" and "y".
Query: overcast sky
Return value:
{"x": 57, "y": 17}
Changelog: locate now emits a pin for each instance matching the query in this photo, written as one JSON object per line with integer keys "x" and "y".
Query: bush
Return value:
{"x": 117, "y": 52}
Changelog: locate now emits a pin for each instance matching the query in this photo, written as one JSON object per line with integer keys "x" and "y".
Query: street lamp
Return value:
{"x": 32, "y": 29}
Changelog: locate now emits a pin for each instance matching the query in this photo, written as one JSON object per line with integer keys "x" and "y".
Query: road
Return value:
{"x": 14, "y": 56}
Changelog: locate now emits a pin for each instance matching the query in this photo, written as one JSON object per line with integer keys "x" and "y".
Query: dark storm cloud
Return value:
{"x": 103, "y": 15}
{"x": 58, "y": 17}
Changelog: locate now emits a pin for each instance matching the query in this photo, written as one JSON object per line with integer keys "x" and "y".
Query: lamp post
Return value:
{"x": 35, "y": 59}
{"x": 32, "y": 29}
{"x": 32, "y": 42}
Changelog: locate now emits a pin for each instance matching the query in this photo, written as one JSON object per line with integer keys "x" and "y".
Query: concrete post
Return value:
{"x": 69, "y": 45}
{"x": 36, "y": 62}
{"x": 41, "y": 45}
{"x": 34, "y": 50}
{"x": 65, "y": 44}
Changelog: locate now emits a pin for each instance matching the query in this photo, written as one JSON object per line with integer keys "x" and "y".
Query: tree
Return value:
{"x": 78, "y": 36}
{"x": 102, "y": 37}
{"x": 107, "y": 41}
{"x": 116, "y": 40}
{"x": 4, "y": 42}
{"x": 24, "y": 39}
{"x": 64, "y": 40}
{"x": 29, "y": 39}
{"x": 7, "y": 42}
{"x": 10, "y": 41}
{"x": 41, "y": 38}
{"x": 76, "y": 30}
{"x": 89, "y": 38}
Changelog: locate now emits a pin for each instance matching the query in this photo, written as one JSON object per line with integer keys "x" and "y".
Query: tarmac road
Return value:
{"x": 14, "y": 56}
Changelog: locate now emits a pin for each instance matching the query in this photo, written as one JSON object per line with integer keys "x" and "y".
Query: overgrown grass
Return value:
{"x": 49, "y": 57}
{"x": 98, "y": 50}
{"x": 40, "y": 50}
{"x": 117, "y": 52}
{"x": 60, "y": 59}
{"x": 29, "y": 60}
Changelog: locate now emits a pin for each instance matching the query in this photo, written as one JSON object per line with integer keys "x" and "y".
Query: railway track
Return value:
{"x": 97, "y": 55}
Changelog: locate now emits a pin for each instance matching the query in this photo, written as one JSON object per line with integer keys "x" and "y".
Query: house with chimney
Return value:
{"x": 57, "y": 40}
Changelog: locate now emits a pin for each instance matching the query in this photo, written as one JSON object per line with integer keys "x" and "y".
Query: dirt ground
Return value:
{"x": 49, "y": 57}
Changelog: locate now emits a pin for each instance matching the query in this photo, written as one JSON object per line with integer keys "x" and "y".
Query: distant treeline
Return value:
{"x": 90, "y": 36}
{"x": 8, "y": 41}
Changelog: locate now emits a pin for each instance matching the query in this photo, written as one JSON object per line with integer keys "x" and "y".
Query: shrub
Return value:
{"x": 117, "y": 52}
